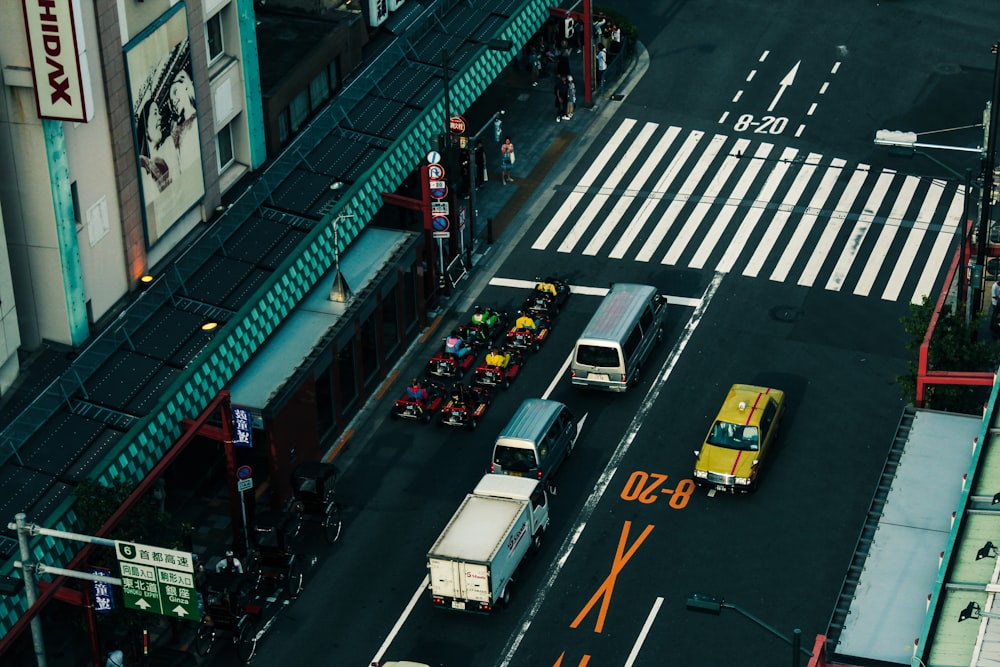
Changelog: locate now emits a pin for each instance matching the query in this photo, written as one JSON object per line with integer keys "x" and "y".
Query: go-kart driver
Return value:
{"x": 484, "y": 317}
{"x": 416, "y": 392}
{"x": 524, "y": 321}
{"x": 458, "y": 395}
{"x": 497, "y": 358}
{"x": 454, "y": 344}
{"x": 546, "y": 287}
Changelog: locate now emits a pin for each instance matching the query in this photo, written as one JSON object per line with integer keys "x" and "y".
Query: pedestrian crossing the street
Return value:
{"x": 691, "y": 199}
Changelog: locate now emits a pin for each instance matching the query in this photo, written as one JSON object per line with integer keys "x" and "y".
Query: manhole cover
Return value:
{"x": 947, "y": 68}
{"x": 786, "y": 313}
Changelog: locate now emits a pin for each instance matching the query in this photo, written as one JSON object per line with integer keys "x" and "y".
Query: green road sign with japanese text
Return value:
{"x": 160, "y": 581}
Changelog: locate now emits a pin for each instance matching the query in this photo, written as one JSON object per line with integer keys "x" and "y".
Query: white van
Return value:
{"x": 619, "y": 338}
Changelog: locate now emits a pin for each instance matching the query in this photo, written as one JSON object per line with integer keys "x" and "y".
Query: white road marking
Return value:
{"x": 739, "y": 94}
{"x": 659, "y": 190}
{"x": 732, "y": 203}
{"x": 832, "y": 229}
{"x": 861, "y": 227}
{"x": 634, "y": 188}
{"x": 516, "y": 283}
{"x": 943, "y": 243}
{"x": 906, "y": 257}
{"x": 805, "y": 224}
{"x": 725, "y": 115}
{"x": 606, "y": 188}
{"x": 751, "y": 75}
{"x": 645, "y": 631}
{"x": 608, "y": 473}
{"x": 785, "y": 82}
{"x": 763, "y": 56}
{"x": 785, "y": 210}
{"x": 421, "y": 589}
{"x": 573, "y": 198}
{"x": 886, "y": 235}
{"x": 750, "y": 220}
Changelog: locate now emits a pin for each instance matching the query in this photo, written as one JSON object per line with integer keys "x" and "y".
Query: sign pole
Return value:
{"x": 30, "y": 591}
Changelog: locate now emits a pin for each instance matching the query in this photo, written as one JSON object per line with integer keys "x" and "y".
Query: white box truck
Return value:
{"x": 473, "y": 562}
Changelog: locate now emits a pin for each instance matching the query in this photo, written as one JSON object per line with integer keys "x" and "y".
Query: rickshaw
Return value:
{"x": 313, "y": 486}
{"x": 272, "y": 560}
{"x": 230, "y": 611}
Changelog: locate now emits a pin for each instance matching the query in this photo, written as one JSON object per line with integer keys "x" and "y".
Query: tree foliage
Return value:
{"x": 955, "y": 346}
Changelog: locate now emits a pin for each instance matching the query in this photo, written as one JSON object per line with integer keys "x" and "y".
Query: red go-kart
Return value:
{"x": 489, "y": 375}
{"x": 529, "y": 339}
{"x": 544, "y": 303}
{"x": 448, "y": 365}
{"x": 421, "y": 410}
{"x": 465, "y": 406}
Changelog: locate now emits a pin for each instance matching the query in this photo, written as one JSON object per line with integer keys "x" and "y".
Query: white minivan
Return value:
{"x": 619, "y": 338}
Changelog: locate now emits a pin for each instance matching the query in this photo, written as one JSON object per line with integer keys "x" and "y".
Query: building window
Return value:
{"x": 213, "y": 34}
{"x": 319, "y": 90}
{"x": 333, "y": 70}
{"x": 284, "y": 126}
{"x": 224, "y": 147}
{"x": 299, "y": 109}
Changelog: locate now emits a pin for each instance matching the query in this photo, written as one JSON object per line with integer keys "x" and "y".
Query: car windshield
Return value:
{"x": 734, "y": 436}
{"x": 597, "y": 355}
{"x": 514, "y": 458}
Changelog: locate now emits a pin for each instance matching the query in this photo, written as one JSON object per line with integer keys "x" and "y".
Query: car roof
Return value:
{"x": 749, "y": 397}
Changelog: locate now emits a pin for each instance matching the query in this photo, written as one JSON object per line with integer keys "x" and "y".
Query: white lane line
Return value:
{"x": 764, "y": 197}
{"x": 751, "y": 75}
{"x": 906, "y": 257}
{"x": 860, "y": 231}
{"x": 730, "y": 206}
{"x": 574, "y": 197}
{"x": 763, "y": 56}
{"x": 707, "y": 200}
{"x": 685, "y": 301}
{"x": 942, "y": 244}
{"x": 606, "y": 188}
{"x": 725, "y": 115}
{"x": 642, "y": 633}
{"x": 657, "y": 193}
{"x": 886, "y": 235}
{"x": 421, "y": 589}
{"x": 687, "y": 189}
{"x": 785, "y": 210}
{"x": 566, "y": 548}
{"x": 634, "y": 188}
{"x": 833, "y": 226}
{"x": 739, "y": 94}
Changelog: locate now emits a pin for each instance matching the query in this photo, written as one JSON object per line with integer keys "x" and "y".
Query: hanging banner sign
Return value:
{"x": 242, "y": 427}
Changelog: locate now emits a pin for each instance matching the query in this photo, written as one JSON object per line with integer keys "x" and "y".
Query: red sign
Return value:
{"x": 456, "y": 124}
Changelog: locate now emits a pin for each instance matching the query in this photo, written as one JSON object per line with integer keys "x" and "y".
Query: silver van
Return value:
{"x": 536, "y": 440}
{"x": 619, "y": 338}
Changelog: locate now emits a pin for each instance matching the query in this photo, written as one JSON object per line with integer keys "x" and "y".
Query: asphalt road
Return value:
{"x": 609, "y": 586}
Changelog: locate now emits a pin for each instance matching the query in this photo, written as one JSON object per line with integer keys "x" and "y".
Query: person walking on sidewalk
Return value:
{"x": 570, "y": 97}
{"x": 559, "y": 93}
{"x": 506, "y": 160}
{"x": 535, "y": 63}
{"x": 602, "y": 66}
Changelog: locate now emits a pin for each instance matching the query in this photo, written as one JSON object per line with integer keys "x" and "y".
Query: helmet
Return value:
{"x": 478, "y": 309}
{"x": 414, "y": 381}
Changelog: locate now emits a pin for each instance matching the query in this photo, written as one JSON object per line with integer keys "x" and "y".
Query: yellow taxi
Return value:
{"x": 740, "y": 439}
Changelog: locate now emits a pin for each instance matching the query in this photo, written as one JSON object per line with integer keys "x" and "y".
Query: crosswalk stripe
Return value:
{"x": 805, "y": 224}
{"x": 906, "y": 257}
{"x": 886, "y": 235}
{"x": 730, "y": 206}
{"x": 608, "y": 186}
{"x": 942, "y": 244}
{"x": 648, "y": 206}
{"x": 706, "y": 202}
{"x": 755, "y": 210}
{"x": 785, "y": 209}
{"x": 628, "y": 197}
{"x": 573, "y": 198}
{"x": 833, "y": 226}
{"x": 732, "y": 201}
{"x": 687, "y": 189}
{"x": 861, "y": 227}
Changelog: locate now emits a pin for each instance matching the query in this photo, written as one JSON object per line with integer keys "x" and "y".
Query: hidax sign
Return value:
{"x": 456, "y": 124}
{"x": 160, "y": 581}
{"x": 55, "y": 60}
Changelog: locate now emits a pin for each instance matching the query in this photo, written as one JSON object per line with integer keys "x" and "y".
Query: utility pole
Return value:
{"x": 989, "y": 164}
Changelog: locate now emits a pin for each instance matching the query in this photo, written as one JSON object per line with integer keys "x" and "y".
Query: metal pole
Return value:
{"x": 447, "y": 93}
{"x": 588, "y": 54}
{"x": 29, "y": 587}
{"x": 246, "y": 531}
{"x": 989, "y": 162}
{"x": 796, "y": 646}
{"x": 962, "y": 295}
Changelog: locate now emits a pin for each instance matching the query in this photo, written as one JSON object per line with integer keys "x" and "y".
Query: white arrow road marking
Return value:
{"x": 785, "y": 83}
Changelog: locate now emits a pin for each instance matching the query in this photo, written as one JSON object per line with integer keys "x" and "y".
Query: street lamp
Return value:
{"x": 714, "y": 604}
